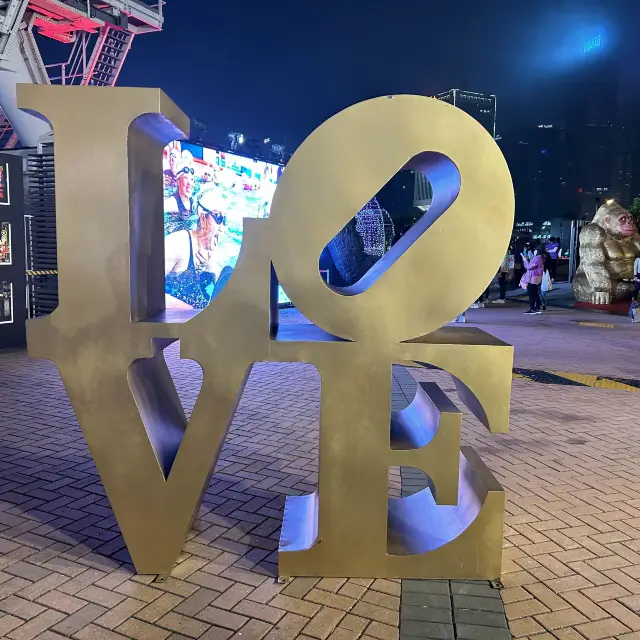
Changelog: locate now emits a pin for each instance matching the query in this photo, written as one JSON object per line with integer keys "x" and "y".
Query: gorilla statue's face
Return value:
{"x": 621, "y": 224}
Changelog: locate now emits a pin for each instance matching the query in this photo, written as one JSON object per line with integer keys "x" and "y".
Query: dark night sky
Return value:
{"x": 279, "y": 69}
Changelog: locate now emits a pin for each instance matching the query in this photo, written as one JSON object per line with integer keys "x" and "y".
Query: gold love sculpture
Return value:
{"x": 109, "y": 331}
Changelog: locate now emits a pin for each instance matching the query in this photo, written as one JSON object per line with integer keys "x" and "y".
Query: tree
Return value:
{"x": 634, "y": 209}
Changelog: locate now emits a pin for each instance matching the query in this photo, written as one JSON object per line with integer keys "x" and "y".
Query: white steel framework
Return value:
{"x": 99, "y": 34}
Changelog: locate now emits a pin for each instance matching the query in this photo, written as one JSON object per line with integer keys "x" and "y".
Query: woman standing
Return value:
{"x": 534, "y": 269}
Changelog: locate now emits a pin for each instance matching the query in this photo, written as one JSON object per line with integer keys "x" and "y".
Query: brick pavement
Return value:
{"x": 572, "y": 535}
{"x": 64, "y": 571}
{"x": 572, "y": 539}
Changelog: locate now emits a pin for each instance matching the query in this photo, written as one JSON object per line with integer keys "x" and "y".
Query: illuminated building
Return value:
{"x": 598, "y": 164}
{"x": 538, "y": 163}
{"x": 480, "y": 106}
{"x": 422, "y": 191}
{"x": 535, "y": 230}
{"x": 634, "y": 144}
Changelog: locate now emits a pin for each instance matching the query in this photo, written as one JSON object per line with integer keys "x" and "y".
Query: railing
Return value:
{"x": 72, "y": 71}
{"x": 146, "y": 8}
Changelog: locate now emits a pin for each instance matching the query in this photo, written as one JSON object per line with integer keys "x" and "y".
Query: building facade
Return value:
{"x": 600, "y": 163}
{"x": 480, "y": 106}
{"x": 539, "y": 165}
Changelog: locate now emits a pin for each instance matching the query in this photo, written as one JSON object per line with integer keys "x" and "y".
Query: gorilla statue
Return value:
{"x": 608, "y": 247}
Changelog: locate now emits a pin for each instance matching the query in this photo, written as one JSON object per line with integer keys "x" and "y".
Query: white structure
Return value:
{"x": 99, "y": 34}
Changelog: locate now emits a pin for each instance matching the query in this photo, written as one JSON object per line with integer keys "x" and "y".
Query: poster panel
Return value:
{"x": 6, "y": 302}
{"x": 5, "y": 243}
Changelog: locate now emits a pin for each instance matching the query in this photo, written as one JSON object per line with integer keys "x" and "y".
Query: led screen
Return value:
{"x": 207, "y": 193}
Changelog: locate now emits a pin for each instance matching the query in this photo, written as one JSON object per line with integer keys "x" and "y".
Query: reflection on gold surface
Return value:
{"x": 110, "y": 328}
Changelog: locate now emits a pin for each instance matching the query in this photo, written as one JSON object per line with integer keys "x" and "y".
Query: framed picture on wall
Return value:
{"x": 5, "y": 243}
{"x": 4, "y": 184}
{"x": 6, "y": 302}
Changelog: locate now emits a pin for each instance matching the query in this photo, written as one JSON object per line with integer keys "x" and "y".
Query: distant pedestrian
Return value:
{"x": 553, "y": 248}
{"x": 636, "y": 277}
{"x": 482, "y": 300}
{"x": 532, "y": 278}
{"x": 505, "y": 275}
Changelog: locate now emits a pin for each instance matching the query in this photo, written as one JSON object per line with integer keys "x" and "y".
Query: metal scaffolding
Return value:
{"x": 99, "y": 34}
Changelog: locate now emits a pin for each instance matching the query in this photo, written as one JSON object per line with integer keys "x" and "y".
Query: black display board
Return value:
{"x": 13, "y": 308}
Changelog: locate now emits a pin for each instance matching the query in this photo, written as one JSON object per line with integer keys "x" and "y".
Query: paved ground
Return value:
{"x": 572, "y": 537}
{"x": 556, "y": 340}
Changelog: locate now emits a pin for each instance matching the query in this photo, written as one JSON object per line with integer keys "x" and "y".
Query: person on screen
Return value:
{"x": 190, "y": 280}
{"x": 173, "y": 156}
{"x": 178, "y": 209}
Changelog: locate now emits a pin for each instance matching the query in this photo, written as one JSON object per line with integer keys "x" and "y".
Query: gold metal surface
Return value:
{"x": 109, "y": 331}
{"x": 609, "y": 246}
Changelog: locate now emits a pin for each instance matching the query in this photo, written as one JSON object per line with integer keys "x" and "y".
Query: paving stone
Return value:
{"x": 426, "y": 614}
{"x": 391, "y": 587}
{"x": 117, "y": 615}
{"x": 61, "y": 601}
{"x": 481, "y": 618}
{"x": 420, "y": 629}
{"x": 79, "y": 619}
{"x": 21, "y": 608}
{"x": 8, "y": 623}
{"x": 474, "y": 589}
{"x": 477, "y": 632}
{"x": 479, "y": 604}
{"x": 340, "y": 633}
{"x": 382, "y": 631}
{"x": 559, "y": 619}
{"x": 288, "y": 627}
{"x": 334, "y": 600}
{"x": 354, "y": 623}
{"x": 37, "y": 625}
{"x": 214, "y": 633}
{"x": 426, "y": 586}
{"x": 323, "y": 624}
{"x": 381, "y": 600}
{"x": 51, "y": 635}
{"x": 602, "y": 629}
{"x": 253, "y": 630}
{"x": 93, "y": 632}
{"x": 183, "y": 624}
{"x": 222, "y": 618}
{"x": 426, "y": 600}
{"x": 259, "y": 611}
{"x": 140, "y": 630}
{"x": 299, "y": 587}
{"x": 37, "y": 589}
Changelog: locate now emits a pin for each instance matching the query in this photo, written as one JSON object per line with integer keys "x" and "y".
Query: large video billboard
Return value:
{"x": 207, "y": 193}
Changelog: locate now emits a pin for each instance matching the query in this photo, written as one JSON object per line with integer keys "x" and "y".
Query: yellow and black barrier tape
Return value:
{"x": 46, "y": 272}
{"x": 558, "y": 377}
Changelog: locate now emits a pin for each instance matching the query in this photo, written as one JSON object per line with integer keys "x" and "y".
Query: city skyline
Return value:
{"x": 280, "y": 71}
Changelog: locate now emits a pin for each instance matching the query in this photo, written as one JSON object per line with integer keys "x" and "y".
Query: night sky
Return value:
{"x": 279, "y": 69}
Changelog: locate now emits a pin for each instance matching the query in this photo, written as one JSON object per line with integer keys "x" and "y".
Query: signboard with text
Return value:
{"x": 594, "y": 43}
